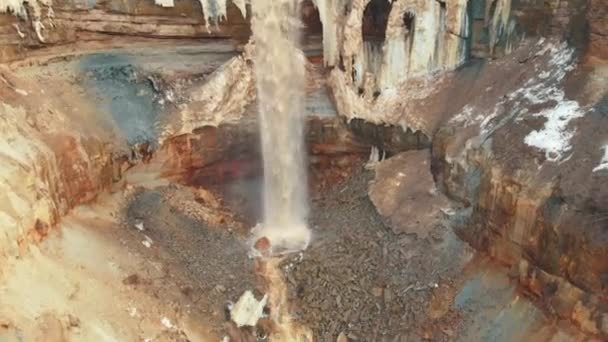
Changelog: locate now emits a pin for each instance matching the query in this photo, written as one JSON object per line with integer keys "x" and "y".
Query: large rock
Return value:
{"x": 404, "y": 193}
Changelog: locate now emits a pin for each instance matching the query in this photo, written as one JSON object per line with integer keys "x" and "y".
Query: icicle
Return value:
{"x": 375, "y": 158}
{"x": 425, "y": 35}
{"x": 500, "y": 20}
{"x": 164, "y": 3}
{"x": 15, "y": 7}
{"x": 240, "y": 4}
{"x": 21, "y": 34}
{"x": 395, "y": 59}
{"x": 214, "y": 11}
{"x": 38, "y": 27}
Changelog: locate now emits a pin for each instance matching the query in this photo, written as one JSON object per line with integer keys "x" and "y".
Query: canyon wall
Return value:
{"x": 516, "y": 123}
{"x": 66, "y": 21}
{"x": 529, "y": 178}
{"x": 53, "y": 158}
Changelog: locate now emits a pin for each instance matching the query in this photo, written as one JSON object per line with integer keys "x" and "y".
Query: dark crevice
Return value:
{"x": 375, "y": 20}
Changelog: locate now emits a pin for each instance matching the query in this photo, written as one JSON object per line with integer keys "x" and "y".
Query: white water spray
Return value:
{"x": 280, "y": 80}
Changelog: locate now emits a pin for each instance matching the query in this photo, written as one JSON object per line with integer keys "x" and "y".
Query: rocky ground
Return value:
{"x": 358, "y": 278}
{"x": 207, "y": 261}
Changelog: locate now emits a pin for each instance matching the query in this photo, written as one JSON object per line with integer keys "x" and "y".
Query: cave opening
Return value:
{"x": 375, "y": 19}
{"x": 409, "y": 23}
{"x": 311, "y": 19}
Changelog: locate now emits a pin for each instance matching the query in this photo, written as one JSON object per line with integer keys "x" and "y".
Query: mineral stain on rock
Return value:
{"x": 126, "y": 93}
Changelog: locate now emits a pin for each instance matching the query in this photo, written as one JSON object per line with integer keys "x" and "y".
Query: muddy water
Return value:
{"x": 280, "y": 81}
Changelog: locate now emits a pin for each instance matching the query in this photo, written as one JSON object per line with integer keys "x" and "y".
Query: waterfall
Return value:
{"x": 280, "y": 79}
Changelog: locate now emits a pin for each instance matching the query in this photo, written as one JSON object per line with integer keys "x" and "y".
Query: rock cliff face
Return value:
{"x": 53, "y": 158}
{"x": 528, "y": 174}
{"x": 62, "y": 22}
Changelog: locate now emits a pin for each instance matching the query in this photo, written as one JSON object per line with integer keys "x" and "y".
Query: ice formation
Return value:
{"x": 221, "y": 99}
{"x": 18, "y": 8}
{"x": 214, "y": 11}
{"x": 421, "y": 38}
{"x": 435, "y": 40}
{"x": 164, "y": 3}
{"x": 329, "y": 12}
{"x": 499, "y": 22}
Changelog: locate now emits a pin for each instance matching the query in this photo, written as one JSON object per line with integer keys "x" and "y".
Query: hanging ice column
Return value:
{"x": 279, "y": 70}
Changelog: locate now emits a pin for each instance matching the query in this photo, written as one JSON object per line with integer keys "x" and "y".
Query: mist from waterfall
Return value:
{"x": 280, "y": 80}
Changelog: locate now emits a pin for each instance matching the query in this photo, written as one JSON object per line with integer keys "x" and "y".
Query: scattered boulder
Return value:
{"x": 404, "y": 193}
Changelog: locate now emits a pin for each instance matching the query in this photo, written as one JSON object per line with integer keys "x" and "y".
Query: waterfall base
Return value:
{"x": 274, "y": 241}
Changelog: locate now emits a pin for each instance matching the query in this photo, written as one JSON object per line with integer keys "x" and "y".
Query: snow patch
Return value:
{"x": 465, "y": 117}
{"x": 554, "y": 137}
{"x": 604, "y": 161}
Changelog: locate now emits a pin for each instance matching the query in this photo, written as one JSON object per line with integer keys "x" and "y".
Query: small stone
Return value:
{"x": 147, "y": 242}
{"x": 377, "y": 291}
{"x": 140, "y": 226}
{"x": 73, "y": 321}
{"x": 167, "y": 323}
{"x": 388, "y": 296}
{"x": 262, "y": 244}
{"x": 342, "y": 337}
{"x": 133, "y": 279}
{"x": 220, "y": 288}
{"x": 604, "y": 326}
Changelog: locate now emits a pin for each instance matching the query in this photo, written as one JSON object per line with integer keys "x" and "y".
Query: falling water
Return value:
{"x": 279, "y": 71}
